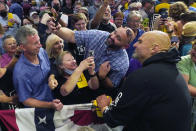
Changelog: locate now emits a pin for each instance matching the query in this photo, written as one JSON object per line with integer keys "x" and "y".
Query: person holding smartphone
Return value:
{"x": 75, "y": 83}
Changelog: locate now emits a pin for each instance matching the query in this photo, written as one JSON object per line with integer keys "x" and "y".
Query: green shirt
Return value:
{"x": 187, "y": 67}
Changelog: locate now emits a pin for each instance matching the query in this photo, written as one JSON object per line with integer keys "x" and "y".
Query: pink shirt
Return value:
{"x": 5, "y": 60}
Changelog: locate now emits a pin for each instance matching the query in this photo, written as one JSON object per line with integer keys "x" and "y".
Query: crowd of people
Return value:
{"x": 141, "y": 53}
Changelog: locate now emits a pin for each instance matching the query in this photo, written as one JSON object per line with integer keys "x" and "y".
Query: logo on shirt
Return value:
{"x": 81, "y": 50}
{"x": 117, "y": 99}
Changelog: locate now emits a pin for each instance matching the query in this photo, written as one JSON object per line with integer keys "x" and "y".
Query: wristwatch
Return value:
{"x": 93, "y": 74}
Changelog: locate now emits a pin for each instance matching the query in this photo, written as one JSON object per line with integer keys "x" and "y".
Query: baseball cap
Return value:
{"x": 32, "y": 13}
{"x": 189, "y": 29}
{"x": 84, "y": 8}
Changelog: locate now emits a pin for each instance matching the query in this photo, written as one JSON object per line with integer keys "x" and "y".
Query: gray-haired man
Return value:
{"x": 31, "y": 72}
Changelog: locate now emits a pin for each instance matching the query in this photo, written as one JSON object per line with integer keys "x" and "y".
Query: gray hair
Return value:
{"x": 59, "y": 60}
{"x": 135, "y": 5}
{"x": 23, "y": 32}
{"x": 133, "y": 14}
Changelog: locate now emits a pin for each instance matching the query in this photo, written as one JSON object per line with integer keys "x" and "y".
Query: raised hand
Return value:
{"x": 12, "y": 20}
{"x": 52, "y": 25}
{"x": 87, "y": 63}
{"x": 92, "y": 65}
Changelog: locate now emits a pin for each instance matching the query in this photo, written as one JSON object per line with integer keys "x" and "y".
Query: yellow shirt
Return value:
{"x": 193, "y": 5}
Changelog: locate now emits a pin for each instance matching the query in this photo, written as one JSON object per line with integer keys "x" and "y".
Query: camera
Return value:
{"x": 164, "y": 13}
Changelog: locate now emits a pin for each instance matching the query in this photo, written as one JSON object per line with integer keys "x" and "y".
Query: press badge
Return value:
{"x": 82, "y": 82}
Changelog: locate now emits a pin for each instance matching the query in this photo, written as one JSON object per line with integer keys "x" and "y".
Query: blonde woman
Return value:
{"x": 54, "y": 46}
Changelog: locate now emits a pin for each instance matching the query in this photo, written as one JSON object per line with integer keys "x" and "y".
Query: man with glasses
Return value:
{"x": 134, "y": 20}
{"x": 111, "y": 59}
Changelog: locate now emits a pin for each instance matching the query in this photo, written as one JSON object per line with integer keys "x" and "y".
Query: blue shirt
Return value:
{"x": 131, "y": 49}
{"x": 17, "y": 9}
{"x": 96, "y": 40}
{"x": 126, "y": 13}
{"x": 1, "y": 47}
{"x": 30, "y": 80}
{"x": 186, "y": 49}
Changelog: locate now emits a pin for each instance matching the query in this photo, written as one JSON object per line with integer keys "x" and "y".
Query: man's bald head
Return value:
{"x": 160, "y": 39}
{"x": 151, "y": 43}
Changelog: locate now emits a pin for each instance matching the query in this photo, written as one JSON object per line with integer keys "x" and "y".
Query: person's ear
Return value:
{"x": 155, "y": 48}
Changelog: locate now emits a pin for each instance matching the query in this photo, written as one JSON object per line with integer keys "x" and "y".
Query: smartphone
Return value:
{"x": 57, "y": 19}
{"x": 164, "y": 15}
{"x": 174, "y": 39}
{"x": 91, "y": 53}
